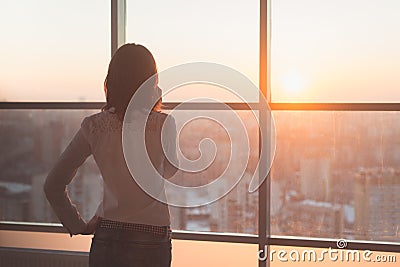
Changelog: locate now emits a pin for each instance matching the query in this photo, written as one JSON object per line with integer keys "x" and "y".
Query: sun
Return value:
{"x": 293, "y": 82}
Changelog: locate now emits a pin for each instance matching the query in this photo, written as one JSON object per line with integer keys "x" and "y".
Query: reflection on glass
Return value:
{"x": 337, "y": 175}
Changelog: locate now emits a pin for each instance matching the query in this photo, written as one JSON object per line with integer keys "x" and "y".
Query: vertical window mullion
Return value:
{"x": 264, "y": 189}
{"x": 118, "y": 24}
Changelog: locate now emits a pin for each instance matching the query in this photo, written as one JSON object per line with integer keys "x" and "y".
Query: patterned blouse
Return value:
{"x": 100, "y": 135}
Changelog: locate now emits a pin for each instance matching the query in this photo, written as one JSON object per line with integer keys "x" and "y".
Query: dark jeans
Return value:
{"x": 121, "y": 248}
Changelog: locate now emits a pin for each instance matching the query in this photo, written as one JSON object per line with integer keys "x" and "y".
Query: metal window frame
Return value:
{"x": 263, "y": 238}
{"x": 118, "y": 24}
{"x": 289, "y": 241}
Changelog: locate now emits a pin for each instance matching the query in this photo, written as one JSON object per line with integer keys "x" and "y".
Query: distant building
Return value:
{"x": 85, "y": 191}
{"x": 315, "y": 178}
{"x": 376, "y": 202}
{"x": 14, "y": 201}
{"x": 40, "y": 207}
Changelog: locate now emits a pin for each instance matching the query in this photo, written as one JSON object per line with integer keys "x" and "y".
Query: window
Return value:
{"x": 54, "y": 50}
{"x": 335, "y": 51}
{"x": 336, "y": 175}
{"x": 237, "y": 211}
{"x": 31, "y": 141}
{"x": 177, "y": 32}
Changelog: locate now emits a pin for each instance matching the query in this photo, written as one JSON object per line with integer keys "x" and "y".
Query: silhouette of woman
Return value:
{"x": 130, "y": 228}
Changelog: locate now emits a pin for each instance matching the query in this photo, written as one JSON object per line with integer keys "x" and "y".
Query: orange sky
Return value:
{"x": 345, "y": 50}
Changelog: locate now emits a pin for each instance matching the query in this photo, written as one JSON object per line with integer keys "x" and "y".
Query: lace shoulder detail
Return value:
{"x": 101, "y": 122}
{"x": 108, "y": 122}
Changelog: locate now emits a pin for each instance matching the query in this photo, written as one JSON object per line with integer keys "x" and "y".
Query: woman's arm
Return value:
{"x": 170, "y": 160}
{"x": 60, "y": 176}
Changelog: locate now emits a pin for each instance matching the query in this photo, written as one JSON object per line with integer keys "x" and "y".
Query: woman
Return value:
{"x": 130, "y": 227}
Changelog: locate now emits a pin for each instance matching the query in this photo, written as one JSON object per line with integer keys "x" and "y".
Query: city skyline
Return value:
{"x": 317, "y": 173}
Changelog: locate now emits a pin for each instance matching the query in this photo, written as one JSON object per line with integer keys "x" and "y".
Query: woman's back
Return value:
{"x": 124, "y": 200}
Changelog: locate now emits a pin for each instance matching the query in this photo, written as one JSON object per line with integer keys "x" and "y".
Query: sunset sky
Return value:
{"x": 322, "y": 51}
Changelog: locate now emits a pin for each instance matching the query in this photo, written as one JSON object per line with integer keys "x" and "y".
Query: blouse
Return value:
{"x": 123, "y": 200}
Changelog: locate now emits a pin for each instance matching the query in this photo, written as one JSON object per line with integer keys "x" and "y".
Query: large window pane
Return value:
{"x": 236, "y": 212}
{"x": 336, "y": 175}
{"x": 335, "y": 51}
{"x": 225, "y": 32}
{"x": 54, "y": 50}
{"x": 31, "y": 141}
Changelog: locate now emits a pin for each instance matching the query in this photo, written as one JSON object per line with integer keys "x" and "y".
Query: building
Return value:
{"x": 376, "y": 203}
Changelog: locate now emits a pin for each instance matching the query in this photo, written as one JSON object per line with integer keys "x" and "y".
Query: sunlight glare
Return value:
{"x": 293, "y": 82}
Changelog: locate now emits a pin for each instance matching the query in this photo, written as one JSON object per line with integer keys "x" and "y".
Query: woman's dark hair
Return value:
{"x": 129, "y": 68}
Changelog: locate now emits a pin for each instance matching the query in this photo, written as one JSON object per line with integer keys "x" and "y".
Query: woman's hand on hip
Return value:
{"x": 92, "y": 225}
